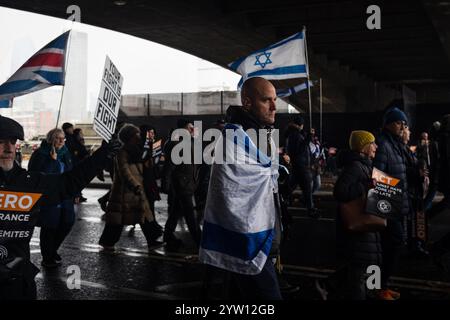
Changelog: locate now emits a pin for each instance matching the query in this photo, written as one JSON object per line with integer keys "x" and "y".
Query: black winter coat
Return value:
{"x": 444, "y": 161}
{"x": 183, "y": 177}
{"x": 390, "y": 158}
{"x": 299, "y": 151}
{"x": 15, "y": 236}
{"x": 354, "y": 182}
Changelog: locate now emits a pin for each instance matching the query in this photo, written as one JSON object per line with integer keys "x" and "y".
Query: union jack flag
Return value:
{"x": 6, "y": 103}
{"x": 44, "y": 69}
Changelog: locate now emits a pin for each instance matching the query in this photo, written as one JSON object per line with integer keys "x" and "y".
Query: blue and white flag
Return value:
{"x": 44, "y": 69}
{"x": 240, "y": 212}
{"x": 283, "y": 93}
{"x": 6, "y": 103}
{"x": 283, "y": 60}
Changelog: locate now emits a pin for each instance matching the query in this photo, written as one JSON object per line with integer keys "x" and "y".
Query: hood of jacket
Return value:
{"x": 346, "y": 156}
{"x": 239, "y": 115}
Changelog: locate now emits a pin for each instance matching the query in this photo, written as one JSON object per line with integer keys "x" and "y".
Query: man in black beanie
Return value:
{"x": 390, "y": 158}
{"x": 27, "y": 191}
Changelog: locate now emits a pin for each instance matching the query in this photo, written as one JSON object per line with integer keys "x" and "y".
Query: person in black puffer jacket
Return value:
{"x": 356, "y": 250}
{"x": 390, "y": 158}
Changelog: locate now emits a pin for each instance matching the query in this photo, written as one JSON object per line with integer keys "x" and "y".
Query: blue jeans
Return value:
{"x": 316, "y": 182}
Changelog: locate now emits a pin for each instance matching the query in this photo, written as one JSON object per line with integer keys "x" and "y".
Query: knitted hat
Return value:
{"x": 299, "y": 121}
{"x": 359, "y": 139}
{"x": 127, "y": 132}
{"x": 393, "y": 115}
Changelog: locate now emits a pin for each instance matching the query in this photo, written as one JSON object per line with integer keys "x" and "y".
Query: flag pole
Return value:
{"x": 66, "y": 63}
{"x": 321, "y": 110}
{"x": 307, "y": 79}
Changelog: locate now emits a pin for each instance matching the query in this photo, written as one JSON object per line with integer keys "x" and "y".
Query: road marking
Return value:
{"x": 132, "y": 252}
{"x": 402, "y": 282}
{"x": 312, "y": 272}
{"x": 148, "y": 294}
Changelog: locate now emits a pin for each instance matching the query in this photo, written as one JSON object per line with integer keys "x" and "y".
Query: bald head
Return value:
{"x": 258, "y": 97}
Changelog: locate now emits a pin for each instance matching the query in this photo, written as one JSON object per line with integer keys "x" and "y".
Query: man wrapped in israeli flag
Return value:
{"x": 241, "y": 222}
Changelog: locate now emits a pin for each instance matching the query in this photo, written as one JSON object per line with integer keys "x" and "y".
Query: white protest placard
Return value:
{"x": 108, "y": 104}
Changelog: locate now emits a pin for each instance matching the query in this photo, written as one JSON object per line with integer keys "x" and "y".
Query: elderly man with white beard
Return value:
{"x": 22, "y": 192}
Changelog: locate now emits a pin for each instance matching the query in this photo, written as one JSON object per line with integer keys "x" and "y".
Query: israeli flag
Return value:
{"x": 240, "y": 212}
{"x": 282, "y": 60}
{"x": 283, "y": 93}
{"x": 6, "y": 103}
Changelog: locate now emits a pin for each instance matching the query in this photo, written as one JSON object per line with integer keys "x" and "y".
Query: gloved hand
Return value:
{"x": 112, "y": 148}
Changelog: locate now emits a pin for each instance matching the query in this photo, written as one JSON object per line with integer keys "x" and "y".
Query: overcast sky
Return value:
{"x": 147, "y": 67}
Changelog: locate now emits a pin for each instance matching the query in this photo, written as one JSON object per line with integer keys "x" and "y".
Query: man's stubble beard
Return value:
{"x": 6, "y": 165}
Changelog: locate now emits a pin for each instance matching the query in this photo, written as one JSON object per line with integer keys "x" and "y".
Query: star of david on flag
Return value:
{"x": 44, "y": 69}
{"x": 263, "y": 59}
{"x": 285, "y": 59}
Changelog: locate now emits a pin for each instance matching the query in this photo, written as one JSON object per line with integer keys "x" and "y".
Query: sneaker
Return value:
{"x": 384, "y": 294}
{"x": 173, "y": 243}
{"x": 108, "y": 248}
{"x": 321, "y": 288}
{"x": 58, "y": 259}
{"x": 155, "y": 243}
{"x": 192, "y": 258}
{"x": 49, "y": 264}
{"x": 394, "y": 294}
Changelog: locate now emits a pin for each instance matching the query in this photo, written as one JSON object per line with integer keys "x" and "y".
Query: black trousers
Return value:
{"x": 22, "y": 285}
{"x": 51, "y": 239}
{"x": 262, "y": 286}
{"x": 303, "y": 177}
{"x": 392, "y": 241}
{"x": 349, "y": 282}
{"x": 111, "y": 233}
{"x": 181, "y": 205}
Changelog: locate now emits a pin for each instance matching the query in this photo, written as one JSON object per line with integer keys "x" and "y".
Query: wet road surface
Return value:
{"x": 137, "y": 273}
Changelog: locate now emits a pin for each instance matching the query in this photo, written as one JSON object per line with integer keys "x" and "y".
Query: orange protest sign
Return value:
{"x": 383, "y": 177}
{"x": 18, "y": 201}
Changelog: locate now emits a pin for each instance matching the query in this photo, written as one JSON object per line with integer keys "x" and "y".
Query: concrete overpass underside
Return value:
{"x": 361, "y": 69}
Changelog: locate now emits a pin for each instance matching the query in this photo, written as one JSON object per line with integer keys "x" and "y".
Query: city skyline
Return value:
{"x": 147, "y": 67}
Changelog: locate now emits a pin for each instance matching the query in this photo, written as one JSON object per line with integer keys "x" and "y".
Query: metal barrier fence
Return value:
{"x": 193, "y": 103}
